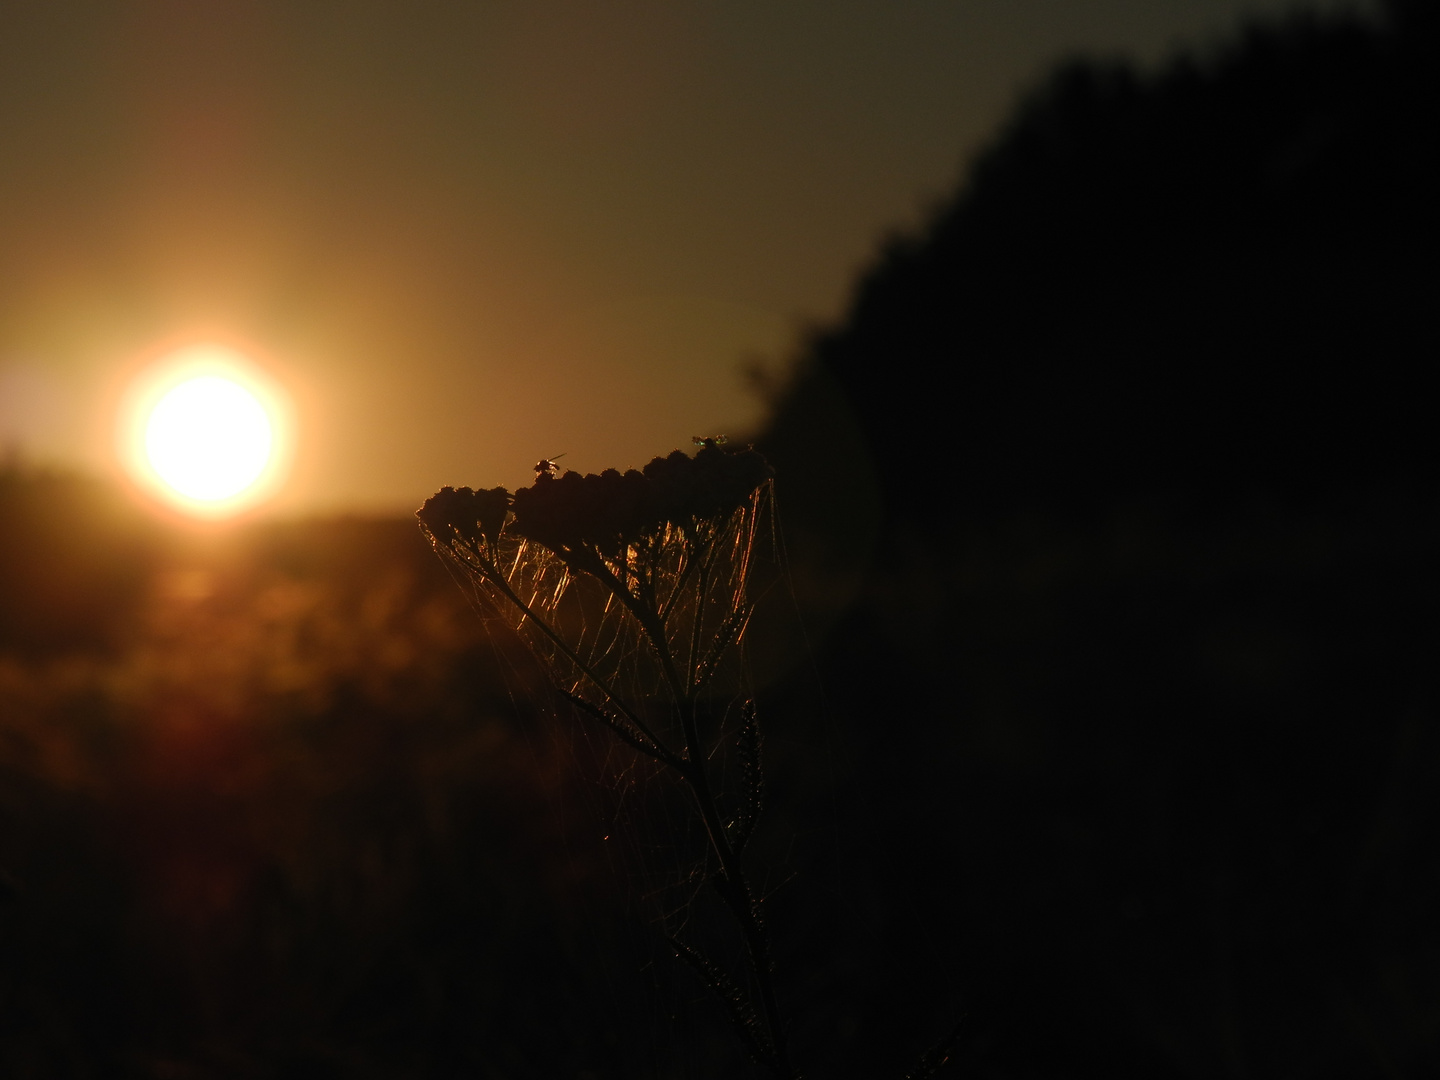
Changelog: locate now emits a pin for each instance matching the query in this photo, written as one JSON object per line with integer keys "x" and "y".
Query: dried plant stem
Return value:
{"x": 652, "y": 746}
{"x": 730, "y": 884}
{"x": 671, "y": 548}
{"x": 734, "y": 890}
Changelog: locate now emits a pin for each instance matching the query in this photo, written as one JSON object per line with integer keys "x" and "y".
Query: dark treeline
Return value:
{"x": 1125, "y": 462}
{"x": 1112, "y": 726}
{"x": 1200, "y": 285}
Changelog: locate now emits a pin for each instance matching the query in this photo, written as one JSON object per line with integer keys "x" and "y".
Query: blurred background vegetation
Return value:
{"x": 1110, "y": 510}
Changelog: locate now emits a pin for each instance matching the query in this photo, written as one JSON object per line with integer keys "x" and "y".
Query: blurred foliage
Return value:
{"x": 74, "y": 563}
{"x": 291, "y": 813}
{"x": 1191, "y": 286}
{"x": 1116, "y": 483}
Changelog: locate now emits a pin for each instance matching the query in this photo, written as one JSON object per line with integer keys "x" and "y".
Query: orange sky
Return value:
{"x": 468, "y": 235}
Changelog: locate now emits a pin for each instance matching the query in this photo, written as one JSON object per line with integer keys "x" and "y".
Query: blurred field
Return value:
{"x": 272, "y": 803}
{"x": 1141, "y": 789}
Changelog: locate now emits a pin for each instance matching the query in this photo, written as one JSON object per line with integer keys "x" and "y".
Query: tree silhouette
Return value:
{"x": 1124, "y": 464}
{"x": 1199, "y": 284}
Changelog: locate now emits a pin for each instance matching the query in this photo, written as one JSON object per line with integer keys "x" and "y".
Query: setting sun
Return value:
{"x": 208, "y": 438}
{"x": 205, "y": 430}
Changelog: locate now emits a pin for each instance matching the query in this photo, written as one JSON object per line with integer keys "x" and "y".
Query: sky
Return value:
{"x": 466, "y": 235}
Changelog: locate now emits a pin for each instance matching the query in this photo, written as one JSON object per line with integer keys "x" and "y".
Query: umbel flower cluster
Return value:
{"x": 634, "y": 590}
{"x": 605, "y": 512}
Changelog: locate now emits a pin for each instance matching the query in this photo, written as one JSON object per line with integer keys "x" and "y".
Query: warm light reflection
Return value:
{"x": 206, "y": 430}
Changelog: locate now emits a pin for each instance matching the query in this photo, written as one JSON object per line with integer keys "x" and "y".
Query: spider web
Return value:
{"x": 592, "y": 639}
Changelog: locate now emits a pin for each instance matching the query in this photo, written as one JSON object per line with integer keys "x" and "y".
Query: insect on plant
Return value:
{"x": 547, "y": 466}
{"x": 634, "y": 591}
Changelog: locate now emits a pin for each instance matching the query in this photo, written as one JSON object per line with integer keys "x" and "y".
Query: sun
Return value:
{"x": 205, "y": 429}
{"x": 209, "y": 438}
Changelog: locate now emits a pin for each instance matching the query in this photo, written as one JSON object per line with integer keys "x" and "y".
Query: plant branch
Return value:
{"x": 633, "y": 738}
{"x": 493, "y": 575}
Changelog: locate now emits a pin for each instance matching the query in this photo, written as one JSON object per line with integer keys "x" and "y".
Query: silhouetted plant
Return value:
{"x": 635, "y": 591}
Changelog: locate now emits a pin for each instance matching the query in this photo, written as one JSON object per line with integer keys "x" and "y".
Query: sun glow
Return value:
{"x": 206, "y": 430}
{"x": 208, "y": 438}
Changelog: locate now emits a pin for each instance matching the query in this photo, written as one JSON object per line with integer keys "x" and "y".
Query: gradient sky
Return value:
{"x": 468, "y": 235}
